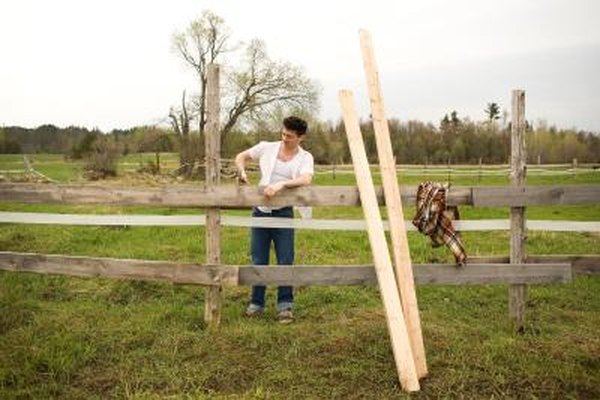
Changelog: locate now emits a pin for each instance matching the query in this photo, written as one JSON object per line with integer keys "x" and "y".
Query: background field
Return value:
{"x": 96, "y": 338}
{"x": 55, "y": 167}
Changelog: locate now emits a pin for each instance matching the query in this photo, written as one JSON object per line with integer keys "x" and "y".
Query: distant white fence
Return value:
{"x": 471, "y": 170}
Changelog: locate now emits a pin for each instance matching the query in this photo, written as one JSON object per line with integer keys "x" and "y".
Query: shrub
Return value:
{"x": 101, "y": 161}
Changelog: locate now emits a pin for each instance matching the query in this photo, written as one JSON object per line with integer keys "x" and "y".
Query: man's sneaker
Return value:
{"x": 253, "y": 310}
{"x": 285, "y": 316}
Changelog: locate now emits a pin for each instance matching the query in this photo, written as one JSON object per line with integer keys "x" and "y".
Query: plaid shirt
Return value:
{"x": 434, "y": 219}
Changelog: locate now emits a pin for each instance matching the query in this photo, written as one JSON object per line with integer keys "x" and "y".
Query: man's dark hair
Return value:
{"x": 295, "y": 124}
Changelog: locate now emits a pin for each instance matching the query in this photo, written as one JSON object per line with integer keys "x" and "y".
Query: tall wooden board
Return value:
{"x": 391, "y": 190}
{"x": 403, "y": 356}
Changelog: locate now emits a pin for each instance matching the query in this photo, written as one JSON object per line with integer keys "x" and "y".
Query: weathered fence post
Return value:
{"x": 213, "y": 301}
{"x": 517, "y": 294}
{"x": 575, "y": 167}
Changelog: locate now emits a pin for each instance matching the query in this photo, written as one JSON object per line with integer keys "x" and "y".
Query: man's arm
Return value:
{"x": 240, "y": 163}
{"x": 301, "y": 180}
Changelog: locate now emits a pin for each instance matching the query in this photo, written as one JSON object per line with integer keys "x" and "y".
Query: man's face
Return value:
{"x": 290, "y": 137}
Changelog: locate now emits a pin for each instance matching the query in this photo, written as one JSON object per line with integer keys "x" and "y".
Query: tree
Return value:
{"x": 155, "y": 140}
{"x": 200, "y": 45}
{"x": 8, "y": 145}
{"x": 180, "y": 122}
{"x": 262, "y": 86}
{"x": 251, "y": 90}
{"x": 449, "y": 128}
{"x": 84, "y": 147}
{"x": 101, "y": 162}
{"x": 492, "y": 111}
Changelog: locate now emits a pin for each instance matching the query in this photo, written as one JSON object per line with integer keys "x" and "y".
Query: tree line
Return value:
{"x": 453, "y": 140}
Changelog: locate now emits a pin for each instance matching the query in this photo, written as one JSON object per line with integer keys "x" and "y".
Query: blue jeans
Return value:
{"x": 283, "y": 239}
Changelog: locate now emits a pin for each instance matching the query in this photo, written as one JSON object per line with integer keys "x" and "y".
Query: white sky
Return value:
{"x": 109, "y": 63}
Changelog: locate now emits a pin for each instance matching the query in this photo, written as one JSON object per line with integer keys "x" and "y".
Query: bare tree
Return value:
{"x": 262, "y": 86}
{"x": 252, "y": 90}
{"x": 180, "y": 122}
{"x": 201, "y": 44}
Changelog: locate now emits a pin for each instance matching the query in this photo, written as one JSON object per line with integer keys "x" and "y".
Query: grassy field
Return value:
{"x": 95, "y": 338}
{"x": 55, "y": 167}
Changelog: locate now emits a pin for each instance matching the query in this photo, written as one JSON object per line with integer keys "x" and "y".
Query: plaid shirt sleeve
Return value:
{"x": 434, "y": 219}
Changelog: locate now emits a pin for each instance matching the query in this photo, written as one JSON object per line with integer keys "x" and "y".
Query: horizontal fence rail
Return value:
{"x": 246, "y": 196}
{"x": 298, "y": 275}
{"x": 588, "y": 264}
{"x": 495, "y": 196}
{"x": 312, "y": 224}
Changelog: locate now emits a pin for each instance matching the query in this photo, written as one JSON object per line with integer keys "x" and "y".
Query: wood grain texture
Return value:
{"x": 195, "y": 274}
{"x": 401, "y": 346}
{"x": 517, "y": 294}
{"x": 494, "y": 272}
{"x": 586, "y": 264}
{"x": 391, "y": 190}
{"x": 213, "y": 302}
{"x": 229, "y": 196}
{"x": 519, "y": 196}
{"x": 425, "y": 274}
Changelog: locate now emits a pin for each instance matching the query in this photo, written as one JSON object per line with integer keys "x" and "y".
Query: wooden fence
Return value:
{"x": 245, "y": 196}
{"x": 299, "y": 275}
{"x": 481, "y": 269}
{"x": 214, "y": 197}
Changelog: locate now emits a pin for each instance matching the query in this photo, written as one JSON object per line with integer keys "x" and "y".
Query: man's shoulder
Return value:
{"x": 268, "y": 144}
{"x": 261, "y": 147}
{"x": 305, "y": 152}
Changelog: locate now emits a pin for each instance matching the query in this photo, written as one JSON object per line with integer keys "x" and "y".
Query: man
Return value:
{"x": 283, "y": 164}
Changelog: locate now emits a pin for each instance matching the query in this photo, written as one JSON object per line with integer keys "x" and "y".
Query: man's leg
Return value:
{"x": 259, "y": 246}
{"x": 284, "y": 250}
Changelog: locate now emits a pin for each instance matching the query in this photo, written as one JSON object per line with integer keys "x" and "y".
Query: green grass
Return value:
{"x": 63, "y": 337}
{"x": 55, "y": 167}
{"x": 94, "y": 338}
{"x": 462, "y": 180}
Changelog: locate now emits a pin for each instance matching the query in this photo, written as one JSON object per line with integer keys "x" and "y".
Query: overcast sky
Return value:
{"x": 109, "y": 63}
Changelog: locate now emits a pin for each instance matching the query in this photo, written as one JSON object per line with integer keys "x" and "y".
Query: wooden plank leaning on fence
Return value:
{"x": 391, "y": 191}
{"x": 403, "y": 355}
{"x": 517, "y": 294}
{"x": 213, "y": 300}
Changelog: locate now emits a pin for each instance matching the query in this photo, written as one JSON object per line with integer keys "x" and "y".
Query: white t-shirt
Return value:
{"x": 283, "y": 171}
{"x": 274, "y": 170}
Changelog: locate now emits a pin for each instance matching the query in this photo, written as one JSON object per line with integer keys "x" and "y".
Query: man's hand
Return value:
{"x": 242, "y": 177}
{"x": 273, "y": 189}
